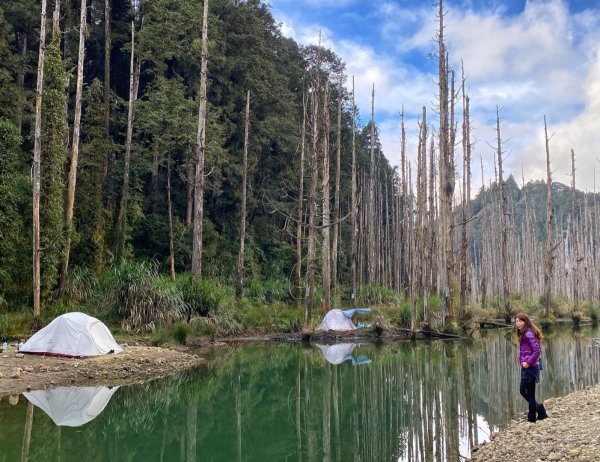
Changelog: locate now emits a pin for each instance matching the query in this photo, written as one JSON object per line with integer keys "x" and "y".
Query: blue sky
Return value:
{"x": 531, "y": 58}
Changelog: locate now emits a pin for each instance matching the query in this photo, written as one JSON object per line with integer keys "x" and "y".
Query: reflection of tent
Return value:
{"x": 340, "y": 352}
{"x": 340, "y": 320}
{"x": 74, "y": 406}
{"x": 72, "y": 335}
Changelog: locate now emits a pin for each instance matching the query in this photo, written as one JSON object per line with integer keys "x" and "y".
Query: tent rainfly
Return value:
{"x": 72, "y": 335}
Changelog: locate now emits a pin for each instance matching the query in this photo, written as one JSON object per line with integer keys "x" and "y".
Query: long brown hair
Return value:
{"x": 528, "y": 324}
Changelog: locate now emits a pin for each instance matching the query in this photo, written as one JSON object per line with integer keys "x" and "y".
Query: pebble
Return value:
{"x": 569, "y": 434}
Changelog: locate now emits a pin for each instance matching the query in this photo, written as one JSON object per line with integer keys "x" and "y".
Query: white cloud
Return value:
{"x": 579, "y": 134}
{"x": 544, "y": 61}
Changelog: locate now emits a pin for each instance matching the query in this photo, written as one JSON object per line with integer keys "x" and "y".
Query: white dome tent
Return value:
{"x": 72, "y": 335}
{"x": 338, "y": 320}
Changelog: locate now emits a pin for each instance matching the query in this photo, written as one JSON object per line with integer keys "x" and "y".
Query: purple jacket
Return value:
{"x": 529, "y": 349}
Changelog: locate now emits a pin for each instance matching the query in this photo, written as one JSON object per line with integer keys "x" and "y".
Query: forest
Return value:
{"x": 166, "y": 160}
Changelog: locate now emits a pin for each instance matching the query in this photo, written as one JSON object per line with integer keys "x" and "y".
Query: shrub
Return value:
{"x": 140, "y": 298}
{"x": 202, "y": 296}
{"x": 405, "y": 313}
{"x": 81, "y": 285}
{"x": 370, "y": 294}
{"x": 181, "y": 330}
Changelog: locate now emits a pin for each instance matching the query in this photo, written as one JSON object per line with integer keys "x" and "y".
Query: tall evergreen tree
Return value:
{"x": 53, "y": 158}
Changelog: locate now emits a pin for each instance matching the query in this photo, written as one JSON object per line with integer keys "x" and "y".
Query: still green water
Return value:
{"x": 398, "y": 401}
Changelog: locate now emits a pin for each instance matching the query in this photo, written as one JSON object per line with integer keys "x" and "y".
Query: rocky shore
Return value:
{"x": 19, "y": 373}
{"x": 571, "y": 433}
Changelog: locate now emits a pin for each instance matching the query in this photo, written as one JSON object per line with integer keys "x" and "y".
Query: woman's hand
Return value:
{"x": 525, "y": 364}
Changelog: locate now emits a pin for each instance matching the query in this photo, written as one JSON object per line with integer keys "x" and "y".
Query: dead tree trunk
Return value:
{"x": 549, "y": 257}
{"x": 200, "y": 152}
{"x": 326, "y": 232}
{"x": 575, "y": 259}
{"x": 371, "y": 203}
{"x": 72, "y": 181}
{"x": 36, "y": 168}
{"x": 464, "y": 256}
{"x": 503, "y": 225}
{"x": 312, "y": 206}
{"x": 446, "y": 184}
{"x": 353, "y": 220}
{"x": 240, "y": 268}
{"x": 336, "y": 204}
{"x": 299, "y": 227}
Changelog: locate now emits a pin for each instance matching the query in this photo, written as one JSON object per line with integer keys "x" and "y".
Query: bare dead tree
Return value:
{"x": 353, "y": 219}
{"x": 549, "y": 253}
{"x": 336, "y": 207}
{"x": 299, "y": 227}
{"x": 325, "y": 209}
{"x": 503, "y": 225}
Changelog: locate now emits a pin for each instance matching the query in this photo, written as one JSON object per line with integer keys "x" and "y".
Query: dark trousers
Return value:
{"x": 529, "y": 377}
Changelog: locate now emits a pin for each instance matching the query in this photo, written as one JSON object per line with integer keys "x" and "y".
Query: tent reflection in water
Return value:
{"x": 341, "y": 320}
{"x": 72, "y": 406}
{"x": 340, "y": 352}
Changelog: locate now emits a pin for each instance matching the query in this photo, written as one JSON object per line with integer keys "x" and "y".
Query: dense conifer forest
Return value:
{"x": 163, "y": 186}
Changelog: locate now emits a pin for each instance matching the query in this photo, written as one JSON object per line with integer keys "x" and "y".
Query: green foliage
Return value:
{"x": 202, "y": 296}
{"x": 15, "y": 202}
{"x": 181, "y": 330}
{"x": 90, "y": 215}
{"x": 271, "y": 290}
{"x": 53, "y": 158}
{"x": 370, "y": 294}
{"x": 405, "y": 314}
{"x": 80, "y": 285}
{"x": 140, "y": 298}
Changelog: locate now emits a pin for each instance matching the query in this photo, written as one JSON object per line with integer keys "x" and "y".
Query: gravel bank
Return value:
{"x": 19, "y": 373}
{"x": 571, "y": 433}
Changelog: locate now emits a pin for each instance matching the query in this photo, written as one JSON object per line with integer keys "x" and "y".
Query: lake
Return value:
{"x": 393, "y": 401}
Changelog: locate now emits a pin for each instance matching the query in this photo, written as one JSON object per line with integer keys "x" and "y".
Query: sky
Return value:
{"x": 531, "y": 59}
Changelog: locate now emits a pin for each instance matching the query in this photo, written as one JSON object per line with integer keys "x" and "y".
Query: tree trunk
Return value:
{"x": 170, "y": 212}
{"x": 464, "y": 256}
{"x": 72, "y": 181}
{"x": 548, "y": 264}
{"x": 312, "y": 207}
{"x": 134, "y": 74}
{"x": 503, "y": 225}
{"x": 299, "y": 226}
{"x": 37, "y": 153}
{"x": 371, "y": 241}
{"x": 240, "y": 266}
{"x": 336, "y": 206}
{"x": 353, "y": 217}
{"x": 200, "y": 153}
{"x": 326, "y": 231}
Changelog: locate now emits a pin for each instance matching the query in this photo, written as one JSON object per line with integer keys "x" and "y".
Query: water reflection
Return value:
{"x": 341, "y": 352}
{"x": 425, "y": 401}
{"x": 72, "y": 406}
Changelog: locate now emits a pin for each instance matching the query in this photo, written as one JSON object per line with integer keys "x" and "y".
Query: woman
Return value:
{"x": 529, "y": 336}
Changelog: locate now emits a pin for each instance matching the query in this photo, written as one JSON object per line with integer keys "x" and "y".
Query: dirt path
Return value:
{"x": 134, "y": 364}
